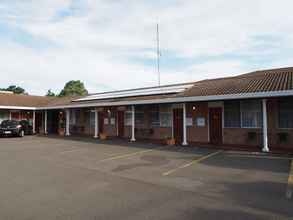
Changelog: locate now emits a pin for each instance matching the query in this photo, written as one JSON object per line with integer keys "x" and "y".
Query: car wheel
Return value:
{"x": 21, "y": 133}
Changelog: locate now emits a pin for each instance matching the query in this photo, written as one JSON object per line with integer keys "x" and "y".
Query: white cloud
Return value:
{"x": 97, "y": 41}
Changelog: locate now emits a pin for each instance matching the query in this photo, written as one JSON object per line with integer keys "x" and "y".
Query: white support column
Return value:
{"x": 34, "y": 122}
{"x": 184, "y": 143}
{"x": 10, "y": 117}
{"x": 96, "y": 124}
{"x": 133, "y": 124}
{"x": 67, "y": 122}
{"x": 46, "y": 123}
{"x": 265, "y": 126}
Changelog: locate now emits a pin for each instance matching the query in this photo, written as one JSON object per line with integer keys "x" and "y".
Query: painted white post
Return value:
{"x": 265, "y": 126}
{"x": 10, "y": 116}
{"x": 34, "y": 122}
{"x": 133, "y": 124}
{"x": 184, "y": 143}
{"x": 45, "y": 124}
{"x": 67, "y": 122}
{"x": 96, "y": 124}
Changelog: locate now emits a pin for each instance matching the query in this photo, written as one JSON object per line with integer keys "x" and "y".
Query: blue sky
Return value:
{"x": 111, "y": 44}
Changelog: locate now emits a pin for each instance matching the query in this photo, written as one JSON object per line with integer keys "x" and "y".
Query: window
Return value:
{"x": 285, "y": 113}
{"x": 155, "y": 116}
{"x": 166, "y": 119}
{"x": 4, "y": 115}
{"x": 166, "y": 116}
{"x": 139, "y": 118}
{"x": 251, "y": 114}
{"x": 232, "y": 114}
{"x": 128, "y": 118}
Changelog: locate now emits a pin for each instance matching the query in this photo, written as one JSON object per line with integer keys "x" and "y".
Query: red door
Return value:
{"x": 178, "y": 125}
{"x": 101, "y": 122}
{"x": 215, "y": 124}
{"x": 120, "y": 124}
{"x": 38, "y": 122}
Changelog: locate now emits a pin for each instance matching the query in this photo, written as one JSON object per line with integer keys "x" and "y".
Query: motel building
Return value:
{"x": 253, "y": 111}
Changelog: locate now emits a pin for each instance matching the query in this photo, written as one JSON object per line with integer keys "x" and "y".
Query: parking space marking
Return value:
{"x": 127, "y": 155}
{"x": 289, "y": 192}
{"x": 191, "y": 163}
{"x": 261, "y": 157}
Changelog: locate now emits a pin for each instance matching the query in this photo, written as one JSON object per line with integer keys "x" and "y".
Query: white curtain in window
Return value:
{"x": 128, "y": 118}
{"x": 251, "y": 114}
{"x": 166, "y": 116}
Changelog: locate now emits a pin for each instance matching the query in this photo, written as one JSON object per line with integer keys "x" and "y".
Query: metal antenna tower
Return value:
{"x": 158, "y": 55}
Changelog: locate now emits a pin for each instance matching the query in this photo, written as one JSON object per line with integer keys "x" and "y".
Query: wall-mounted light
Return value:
{"x": 193, "y": 108}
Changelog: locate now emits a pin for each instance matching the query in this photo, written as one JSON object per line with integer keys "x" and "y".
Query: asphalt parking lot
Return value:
{"x": 53, "y": 178}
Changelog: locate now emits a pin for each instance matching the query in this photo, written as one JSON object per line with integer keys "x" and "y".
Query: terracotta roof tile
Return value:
{"x": 258, "y": 81}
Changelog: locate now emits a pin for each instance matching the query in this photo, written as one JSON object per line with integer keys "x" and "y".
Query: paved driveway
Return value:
{"x": 53, "y": 178}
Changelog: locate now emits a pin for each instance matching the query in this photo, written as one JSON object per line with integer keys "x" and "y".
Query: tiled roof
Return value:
{"x": 22, "y": 100}
{"x": 258, "y": 81}
{"x": 16, "y": 100}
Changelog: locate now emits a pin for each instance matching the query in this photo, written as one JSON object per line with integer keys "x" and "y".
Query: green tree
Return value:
{"x": 74, "y": 88}
{"x": 50, "y": 93}
{"x": 15, "y": 89}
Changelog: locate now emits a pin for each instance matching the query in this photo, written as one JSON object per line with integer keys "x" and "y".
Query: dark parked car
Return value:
{"x": 28, "y": 129}
{"x": 15, "y": 128}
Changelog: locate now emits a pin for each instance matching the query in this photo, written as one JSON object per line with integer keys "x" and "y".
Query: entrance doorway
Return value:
{"x": 101, "y": 122}
{"x": 53, "y": 121}
{"x": 215, "y": 125}
{"x": 120, "y": 121}
{"x": 178, "y": 125}
{"x": 38, "y": 122}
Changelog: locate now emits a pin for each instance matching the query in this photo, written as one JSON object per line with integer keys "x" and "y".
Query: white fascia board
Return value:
{"x": 179, "y": 100}
{"x": 17, "y": 107}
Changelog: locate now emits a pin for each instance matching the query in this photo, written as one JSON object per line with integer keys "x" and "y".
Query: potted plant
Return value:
{"x": 103, "y": 136}
{"x": 170, "y": 141}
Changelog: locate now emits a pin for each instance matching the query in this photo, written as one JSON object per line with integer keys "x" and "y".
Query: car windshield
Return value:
{"x": 24, "y": 122}
{"x": 9, "y": 123}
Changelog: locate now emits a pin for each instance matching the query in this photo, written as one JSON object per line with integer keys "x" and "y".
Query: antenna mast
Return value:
{"x": 158, "y": 55}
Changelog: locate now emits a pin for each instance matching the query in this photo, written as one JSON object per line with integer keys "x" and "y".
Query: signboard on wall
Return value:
{"x": 106, "y": 121}
{"x": 189, "y": 122}
{"x": 200, "y": 122}
{"x": 112, "y": 121}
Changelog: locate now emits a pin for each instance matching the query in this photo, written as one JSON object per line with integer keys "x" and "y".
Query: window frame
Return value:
{"x": 155, "y": 110}
{"x": 128, "y": 121}
{"x": 279, "y": 114}
{"x": 241, "y": 116}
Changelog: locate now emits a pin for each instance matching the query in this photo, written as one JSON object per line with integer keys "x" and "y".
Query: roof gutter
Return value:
{"x": 178, "y": 100}
{"x": 17, "y": 107}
